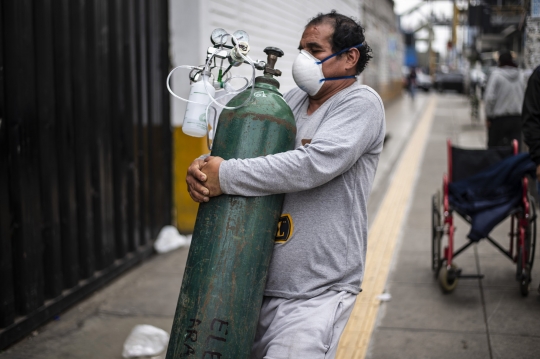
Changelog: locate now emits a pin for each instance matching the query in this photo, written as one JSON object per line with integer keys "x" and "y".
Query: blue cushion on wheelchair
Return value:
{"x": 489, "y": 196}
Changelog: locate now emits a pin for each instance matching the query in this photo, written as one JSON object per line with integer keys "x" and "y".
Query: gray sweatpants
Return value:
{"x": 302, "y": 328}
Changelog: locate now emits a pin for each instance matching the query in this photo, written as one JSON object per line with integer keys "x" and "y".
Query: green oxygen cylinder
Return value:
{"x": 225, "y": 276}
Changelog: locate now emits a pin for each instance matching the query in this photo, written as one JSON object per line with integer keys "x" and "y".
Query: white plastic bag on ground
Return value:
{"x": 385, "y": 297}
{"x": 145, "y": 340}
{"x": 169, "y": 239}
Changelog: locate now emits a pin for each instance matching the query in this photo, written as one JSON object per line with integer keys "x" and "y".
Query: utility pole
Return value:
{"x": 431, "y": 54}
{"x": 454, "y": 25}
{"x": 455, "y": 22}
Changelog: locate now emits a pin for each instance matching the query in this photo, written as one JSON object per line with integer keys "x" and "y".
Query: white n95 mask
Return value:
{"x": 308, "y": 74}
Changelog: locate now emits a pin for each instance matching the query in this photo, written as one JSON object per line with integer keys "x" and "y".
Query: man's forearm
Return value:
{"x": 292, "y": 171}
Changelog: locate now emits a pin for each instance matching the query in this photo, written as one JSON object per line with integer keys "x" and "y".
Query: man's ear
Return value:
{"x": 353, "y": 56}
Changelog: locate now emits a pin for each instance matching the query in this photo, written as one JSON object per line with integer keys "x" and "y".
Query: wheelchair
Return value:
{"x": 463, "y": 163}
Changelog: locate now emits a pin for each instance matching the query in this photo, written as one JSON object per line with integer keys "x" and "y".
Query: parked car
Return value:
{"x": 423, "y": 80}
{"x": 450, "y": 81}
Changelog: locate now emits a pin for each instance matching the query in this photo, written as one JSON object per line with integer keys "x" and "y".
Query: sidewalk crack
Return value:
{"x": 484, "y": 311}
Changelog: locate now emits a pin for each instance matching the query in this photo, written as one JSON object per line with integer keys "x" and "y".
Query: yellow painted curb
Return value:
{"x": 382, "y": 240}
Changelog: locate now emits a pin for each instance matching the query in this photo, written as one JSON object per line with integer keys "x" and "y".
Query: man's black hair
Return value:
{"x": 347, "y": 33}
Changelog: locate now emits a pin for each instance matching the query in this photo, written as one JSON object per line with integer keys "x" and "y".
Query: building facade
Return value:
{"x": 532, "y": 43}
{"x": 386, "y": 40}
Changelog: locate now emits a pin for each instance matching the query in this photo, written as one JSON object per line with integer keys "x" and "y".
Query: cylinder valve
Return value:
{"x": 273, "y": 54}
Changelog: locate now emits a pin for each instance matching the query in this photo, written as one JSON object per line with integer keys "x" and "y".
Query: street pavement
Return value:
{"x": 481, "y": 319}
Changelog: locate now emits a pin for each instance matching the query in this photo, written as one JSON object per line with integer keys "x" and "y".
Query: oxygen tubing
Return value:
{"x": 207, "y": 78}
{"x": 250, "y": 97}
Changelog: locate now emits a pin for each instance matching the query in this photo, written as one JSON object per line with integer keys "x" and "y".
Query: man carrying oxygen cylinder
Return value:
{"x": 317, "y": 270}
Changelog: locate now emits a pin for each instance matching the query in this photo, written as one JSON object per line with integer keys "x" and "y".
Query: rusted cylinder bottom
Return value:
{"x": 219, "y": 303}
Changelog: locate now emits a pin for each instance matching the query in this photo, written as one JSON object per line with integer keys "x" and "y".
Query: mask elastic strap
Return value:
{"x": 337, "y": 78}
{"x": 339, "y": 53}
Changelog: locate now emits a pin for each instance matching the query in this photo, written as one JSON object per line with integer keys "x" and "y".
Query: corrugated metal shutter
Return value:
{"x": 279, "y": 23}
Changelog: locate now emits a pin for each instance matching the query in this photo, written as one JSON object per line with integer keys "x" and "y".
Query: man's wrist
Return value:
{"x": 224, "y": 175}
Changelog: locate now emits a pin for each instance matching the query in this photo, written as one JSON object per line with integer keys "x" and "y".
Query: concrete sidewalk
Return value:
{"x": 98, "y": 326}
{"x": 482, "y": 318}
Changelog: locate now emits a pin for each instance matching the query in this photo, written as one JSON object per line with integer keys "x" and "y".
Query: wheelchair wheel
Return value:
{"x": 436, "y": 233}
{"x": 448, "y": 279}
{"x": 525, "y": 281}
{"x": 523, "y": 271}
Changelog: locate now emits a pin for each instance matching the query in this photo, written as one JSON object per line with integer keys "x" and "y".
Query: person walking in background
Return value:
{"x": 411, "y": 82}
{"x": 503, "y": 102}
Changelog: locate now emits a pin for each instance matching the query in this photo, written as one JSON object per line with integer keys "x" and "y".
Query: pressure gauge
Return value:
{"x": 219, "y": 36}
{"x": 240, "y": 35}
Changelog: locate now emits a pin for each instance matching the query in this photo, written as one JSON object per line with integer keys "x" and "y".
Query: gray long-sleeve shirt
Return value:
{"x": 504, "y": 92}
{"x": 321, "y": 241}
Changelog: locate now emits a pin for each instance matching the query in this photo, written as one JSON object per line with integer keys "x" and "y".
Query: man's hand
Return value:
{"x": 538, "y": 172}
{"x": 211, "y": 169}
{"x": 195, "y": 182}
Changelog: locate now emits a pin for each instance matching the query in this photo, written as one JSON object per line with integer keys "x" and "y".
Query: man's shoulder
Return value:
{"x": 360, "y": 94}
{"x": 369, "y": 93}
{"x": 359, "y": 103}
{"x": 354, "y": 95}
